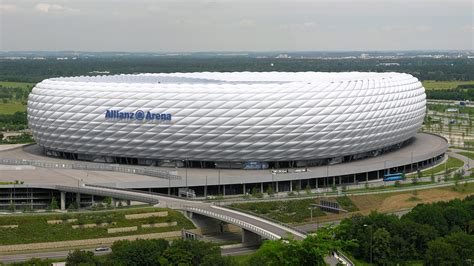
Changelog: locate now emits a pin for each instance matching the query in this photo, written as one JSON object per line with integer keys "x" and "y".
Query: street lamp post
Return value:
{"x": 371, "y": 236}
{"x": 205, "y": 189}
{"x": 219, "y": 181}
{"x": 311, "y": 207}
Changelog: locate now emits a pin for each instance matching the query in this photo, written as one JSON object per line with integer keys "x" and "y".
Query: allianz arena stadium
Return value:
{"x": 248, "y": 120}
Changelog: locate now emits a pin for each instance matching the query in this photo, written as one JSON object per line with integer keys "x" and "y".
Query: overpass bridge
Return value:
{"x": 252, "y": 225}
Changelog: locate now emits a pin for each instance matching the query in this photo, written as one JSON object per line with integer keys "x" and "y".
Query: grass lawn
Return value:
{"x": 450, "y": 163}
{"x": 11, "y": 108}
{"x": 34, "y": 228}
{"x": 469, "y": 155}
{"x": 290, "y": 211}
{"x": 16, "y": 84}
{"x": 443, "y": 85}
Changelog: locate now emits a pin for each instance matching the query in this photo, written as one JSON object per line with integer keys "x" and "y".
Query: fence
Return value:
{"x": 94, "y": 167}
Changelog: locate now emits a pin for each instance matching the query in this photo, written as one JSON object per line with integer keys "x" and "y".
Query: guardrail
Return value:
{"x": 144, "y": 192}
{"x": 343, "y": 258}
{"x": 131, "y": 195}
{"x": 93, "y": 167}
{"x": 257, "y": 230}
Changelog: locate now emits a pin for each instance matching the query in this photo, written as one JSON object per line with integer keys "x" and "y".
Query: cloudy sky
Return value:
{"x": 236, "y": 25}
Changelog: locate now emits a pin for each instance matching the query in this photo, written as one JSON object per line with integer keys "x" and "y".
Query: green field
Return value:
{"x": 450, "y": 163}
{"x": 16, "y": 84}
{"x": 11, "y": 108}
{"x": 291, "y": 211}
{"x": 34, "y": 228}
{"x": 443, "y": 85}
{"x": 469, "y": 155}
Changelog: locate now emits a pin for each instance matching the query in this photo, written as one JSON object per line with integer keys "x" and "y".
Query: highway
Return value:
{"x": 234, "y": 251}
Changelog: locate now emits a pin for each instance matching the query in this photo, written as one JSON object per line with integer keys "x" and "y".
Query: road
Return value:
{"x": 235, "y": 251}
{"x": 62, "y": 254}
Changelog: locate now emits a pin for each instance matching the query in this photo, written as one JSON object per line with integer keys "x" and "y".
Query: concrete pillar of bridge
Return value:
{"x": 243, "y": 189}
{"x": 333, "y": 181}
{"x": 63, "y": 200}
{"x": 206, "y": 224}
{"x": 78, "y": 200}
{"x": 299, "y": 184}
{"x": 250, "y": 238}
{"x": 291, "y": 186}
{"x": 317, "y": 181}
{"x": 276, "y": 187}
{"x": 355, "y": 178}
{"x": 340, "y": 180}
{"x": 378, "y": 174}
{"x": 223, "y": 190}
{"x": 205, "y": 191}
{"x": 114, "y": 202}
{"x": 366, "y": 176}
{"x": 129, "y": 203}
{"x": 261, "y": 187}
{"x": 92, "y": 200}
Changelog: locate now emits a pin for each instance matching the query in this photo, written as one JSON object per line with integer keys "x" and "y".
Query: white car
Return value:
{"x": 101, "y": 249}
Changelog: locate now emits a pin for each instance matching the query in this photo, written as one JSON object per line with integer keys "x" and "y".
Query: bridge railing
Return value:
{"x": 257, "y": 230}
{"x": 93, "y": 167}
{"x": 143, "y": 192}
{"x": 108, "y": 193}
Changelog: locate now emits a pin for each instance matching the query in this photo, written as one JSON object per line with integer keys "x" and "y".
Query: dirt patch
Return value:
{"x": 398, "y": 201}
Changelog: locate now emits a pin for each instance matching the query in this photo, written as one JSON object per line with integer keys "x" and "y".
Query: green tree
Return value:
{"x": 81, "y": 257}
{"x": 463, "y": 244}
{"x": 310, "y": 251}
{"x": 381, "y": 246}
{"x": 138, "y": 252}
{"x": 54, "y": 204}
{"x": 107, "y": 201}
{"x": 270, "y": 191}
{"x": 441, "y": 253}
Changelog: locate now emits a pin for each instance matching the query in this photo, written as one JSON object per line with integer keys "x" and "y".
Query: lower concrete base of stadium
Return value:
{"x": 426, "y": 150}
{"x": 301, "y": 184}
{"x": 24, "y": 198}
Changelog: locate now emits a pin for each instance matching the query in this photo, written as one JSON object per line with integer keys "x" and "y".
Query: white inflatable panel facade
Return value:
{"x": 244, "y": 116}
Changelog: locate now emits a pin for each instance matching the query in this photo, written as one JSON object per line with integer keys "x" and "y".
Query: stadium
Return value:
{"x": 245, "y": 120}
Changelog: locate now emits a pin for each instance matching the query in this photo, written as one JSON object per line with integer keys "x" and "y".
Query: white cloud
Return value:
{"x": 8, "y": 7}
{"x": 46, "y": 8}
{"x": 246, "y": 23}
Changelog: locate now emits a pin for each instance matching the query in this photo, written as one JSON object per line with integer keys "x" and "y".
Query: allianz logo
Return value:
{"x": 137, "y": 115}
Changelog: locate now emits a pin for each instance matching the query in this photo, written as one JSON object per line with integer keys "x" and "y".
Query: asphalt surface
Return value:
{"x": 235, "y": 251}
{"x": 43, "y": 255}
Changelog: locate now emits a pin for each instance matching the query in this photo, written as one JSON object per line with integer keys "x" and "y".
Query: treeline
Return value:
{"x": 439, "y": 234}
{"x": 422, "y": 68}
{"x": 8, "y": 94}
{"x": 310, "y": 251}
{"x": 16, "y": 121}
{"x": 460, "y": 93}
